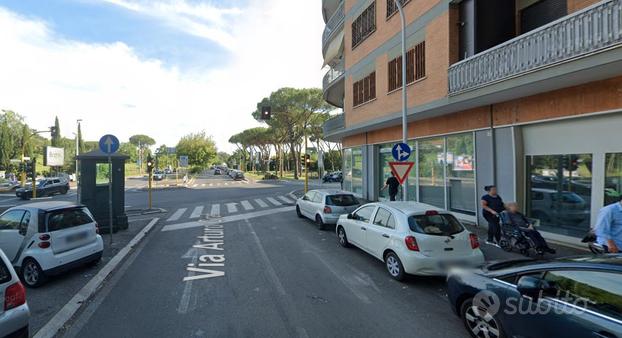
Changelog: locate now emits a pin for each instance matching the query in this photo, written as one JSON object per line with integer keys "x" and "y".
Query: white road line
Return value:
{"x": 285, "y": 199}
{"x": 195, "y": 185}
{"x": 247, "y": 205}
{"x": 215, "y": 210}
{"x": 184, "y": 302}
{"x": 211, "y": 184}
{"x": 273, "y": 201}
{"x": 196, "y": 213}
{"x": 261, "y": 203}
{"x": 202, "y": 184}
{"x": 227, "y": 219}
{"x": 176, "y": 215}
{"x": 226, "y": 183}
{"x": 232, "y": 208}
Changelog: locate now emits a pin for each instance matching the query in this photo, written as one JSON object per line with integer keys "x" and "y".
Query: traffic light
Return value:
{"x": 570, "y": 162}
{"x": 150, "y": 164}
{"x": 305, "y": 159}
{"x": 29, "y": 168}
{"x": 53, "y": 131}
{"x": 266, "y": 112}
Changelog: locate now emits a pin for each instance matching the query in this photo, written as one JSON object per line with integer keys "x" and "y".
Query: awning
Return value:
{"x": 335, "y": 48}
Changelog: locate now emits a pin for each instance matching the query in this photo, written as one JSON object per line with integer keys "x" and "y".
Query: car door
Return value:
{"x": 306, "y": 203}
{"x": 358, "y": 225}
{"x": 379, "y": 232}
{"x": 316, "y": 204}
{"x": 12, "y": 232}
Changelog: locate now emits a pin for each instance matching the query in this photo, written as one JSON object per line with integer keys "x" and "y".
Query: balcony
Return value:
{"x": 334, "y": 124}
{"x": 329, "y": 7}
{"x": 595, "y": 29}
{"x": 334, "y": 85}
{"x": 334, "y": 28}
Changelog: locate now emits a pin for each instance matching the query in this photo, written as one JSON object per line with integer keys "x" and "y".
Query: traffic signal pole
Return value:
{"x": 306, "y": 165}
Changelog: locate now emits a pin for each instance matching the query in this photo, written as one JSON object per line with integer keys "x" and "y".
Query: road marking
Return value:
{"x": 285, "y": 199}
{"x": 202, "y": 184}
{"x": 184, "y": 302}
{"x": 176, "y": 215}
{"x": 226, "y": 183}
{"x": 195, "y": 185}
{"x": 196, "y": 213}
{"x": 247, "y": 205}
{"x": 232, "y": 208}
{"x": 215, "y": 210}
{"x": 51, "y": 328}
{"x": 261, "y": 203}
{"x": 227, "y": 219}
{"x": 273, "y": 201}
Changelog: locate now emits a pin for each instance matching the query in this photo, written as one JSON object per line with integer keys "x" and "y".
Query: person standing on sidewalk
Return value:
{"x": 609, "y": 227}
{"x": 393, "y": 184}
{"x": 492, "y": 205}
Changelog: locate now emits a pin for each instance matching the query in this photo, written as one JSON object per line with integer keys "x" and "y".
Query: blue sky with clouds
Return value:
{"x": 164, "y": 68}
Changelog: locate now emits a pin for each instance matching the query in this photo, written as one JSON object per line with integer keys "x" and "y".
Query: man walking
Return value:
{"x": 393, "y": 185}
{"x": 609, "y": 227}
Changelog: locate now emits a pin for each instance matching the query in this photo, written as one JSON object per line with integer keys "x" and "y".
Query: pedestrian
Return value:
{"x": 609, "y": 227}
{"x": 492, "y": 205}
{"x": 393, "y": 185}
{"x": 516, "y": 219}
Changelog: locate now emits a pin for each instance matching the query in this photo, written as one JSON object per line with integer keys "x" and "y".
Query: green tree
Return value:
{"x": 199, "y": 147}
{"x": 80, "y": 140}
{"x": 56, "y": 138}
{"x": 142, "y": 142}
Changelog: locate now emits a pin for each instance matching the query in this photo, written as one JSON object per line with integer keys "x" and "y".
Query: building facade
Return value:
{"x": 523, "y": 94}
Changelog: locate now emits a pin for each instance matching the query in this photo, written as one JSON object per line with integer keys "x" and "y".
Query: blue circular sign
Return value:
{"x": 109, "y": 144}
{"x": 401, "y": 152}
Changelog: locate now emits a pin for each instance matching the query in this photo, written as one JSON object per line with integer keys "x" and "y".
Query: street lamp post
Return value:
{"x": 77, "y": 174}
{"x": 398, "y": 4}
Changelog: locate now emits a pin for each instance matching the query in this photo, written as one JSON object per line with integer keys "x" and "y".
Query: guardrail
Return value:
{"x": 334, "y": 24}
{"x": 333, "y": 74}
{"x": 333, "y": 124}
{"x": 587, "y": 31}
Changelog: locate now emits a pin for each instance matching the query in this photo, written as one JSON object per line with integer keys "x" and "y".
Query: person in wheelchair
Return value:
{"x": 516, "y": 226}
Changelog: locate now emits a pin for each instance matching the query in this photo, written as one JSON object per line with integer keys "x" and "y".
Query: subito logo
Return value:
{"x": 487, "y": 300}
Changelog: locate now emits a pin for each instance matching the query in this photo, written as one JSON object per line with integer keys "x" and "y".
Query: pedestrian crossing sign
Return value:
{"x": 401, "y": 170}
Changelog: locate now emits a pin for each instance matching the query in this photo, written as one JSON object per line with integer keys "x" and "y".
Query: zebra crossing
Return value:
{"x": 215, "y": 210}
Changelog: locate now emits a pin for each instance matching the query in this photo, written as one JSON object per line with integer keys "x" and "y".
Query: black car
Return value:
{"x": 571, "y": 297}
{"x": 45, "y": 187}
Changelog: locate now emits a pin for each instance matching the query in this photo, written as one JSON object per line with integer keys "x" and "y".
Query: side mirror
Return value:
{"x": 533, "y": 287}
{"x": 350, "y": 216}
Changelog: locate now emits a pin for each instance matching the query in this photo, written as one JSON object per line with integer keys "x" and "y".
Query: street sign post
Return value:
{"x": 109, "y": 144}
{"x": 401, "y": 152}
{"x": 401, "y": 170}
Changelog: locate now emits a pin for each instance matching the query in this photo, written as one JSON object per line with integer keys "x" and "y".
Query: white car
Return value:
{"x": 411, "y": 238}
{"x": 14, "y": 312}
{"x": 325, "y": 206}
{"x": 48, "y": 238}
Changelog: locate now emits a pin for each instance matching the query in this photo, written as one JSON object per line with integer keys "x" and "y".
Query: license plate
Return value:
{"x": 76, "y": 237}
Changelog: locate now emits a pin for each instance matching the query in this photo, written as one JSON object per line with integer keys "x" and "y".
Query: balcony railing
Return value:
{"x": 595, "y": 28}
{"x": 334, "y": 124}
{"x": 334, "y": 24}
{"x": 333, "y": 74}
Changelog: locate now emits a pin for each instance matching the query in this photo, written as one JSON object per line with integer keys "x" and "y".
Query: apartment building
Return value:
{"x": 524, "y": 94}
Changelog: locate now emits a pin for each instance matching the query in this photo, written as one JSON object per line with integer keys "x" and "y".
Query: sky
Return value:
{"x": 164, "y": 68}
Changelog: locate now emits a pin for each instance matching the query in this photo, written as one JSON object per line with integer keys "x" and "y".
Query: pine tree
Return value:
{"x": 80, "y": 141}
{"x": 56, "y": 137}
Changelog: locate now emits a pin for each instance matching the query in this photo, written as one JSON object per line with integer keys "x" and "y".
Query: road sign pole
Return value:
{"x": 110, "y": 194}
{"x": 150, "y": 177}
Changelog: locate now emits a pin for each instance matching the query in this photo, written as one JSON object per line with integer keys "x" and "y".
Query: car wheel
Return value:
{"x": 479, "y": 322}
{"x": 31, "y": 273}
{"x": 319, "y": 222}
{"x": 298, "y": 212}
{"x": 64, "y": 192}
{"x": 394, "y": 266}
{"x": 95, "y": 261}
{"x": 505, "y": 245}
{"x": 343, "y": 238}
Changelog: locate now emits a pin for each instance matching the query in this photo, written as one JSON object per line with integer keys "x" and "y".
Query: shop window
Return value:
{"x": 559, "y": 192}
{"x": 613, "y": 178}
{"x": 384, "y": 170}
{"x": 347, "y": 170}
{"x": 431, "y": 176}
{"x": 357, "y": 171}
{"x": 461, "y": 173}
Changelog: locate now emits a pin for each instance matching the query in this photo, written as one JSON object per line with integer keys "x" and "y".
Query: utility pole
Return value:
{"x": 306, "y": 163}
{"x": 398, "y": 4}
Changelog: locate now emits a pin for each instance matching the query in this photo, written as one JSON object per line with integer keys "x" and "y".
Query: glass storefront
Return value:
{"x": 559, "y": 192}
{"x": 347, "y": 169}
{"x": 431, "y": 172}
{"x": 357, "y": 171}
{"x": 461, "y": 173}
{"x": 384, "y": 171}
{"x": 613, "y": 178}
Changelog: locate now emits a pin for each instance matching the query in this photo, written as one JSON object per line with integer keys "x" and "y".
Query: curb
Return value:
{"x": 51, "y": 328}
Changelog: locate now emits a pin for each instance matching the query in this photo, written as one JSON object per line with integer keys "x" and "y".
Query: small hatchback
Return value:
{"x": 14, "y": 312}
{"x": 48, "y": 238}
{"x": 325, "y": 206}
{"x": 411, "y": 238}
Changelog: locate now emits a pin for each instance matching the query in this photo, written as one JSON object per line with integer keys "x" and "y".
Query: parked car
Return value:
{"x": 158, "y": 175}
{"x": 217, "y": 171}
{"x": 48, "y": 238}
{"x": 8, "y": 186}
{"x": 325, "y": 206}
{"x": 168, "y": 171}
{"x": 549, "y": 205}
{"x": 336, "y": 176}
{"x": 570, "y": 297}
{"x": 410, "y": 238}
{"x": 238, "y": 175}
{"x": 45, "y": 187}
{"x": 14, "y": 312}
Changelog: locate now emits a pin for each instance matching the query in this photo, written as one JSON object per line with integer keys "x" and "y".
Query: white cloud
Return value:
{"x": 277, "y": 43}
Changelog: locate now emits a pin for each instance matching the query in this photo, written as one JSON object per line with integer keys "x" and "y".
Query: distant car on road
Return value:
{"x": 168, "y": 171}
{"x": 45, "y": 187}
{"x": 217, "y": 171}
{"x": 325, "y": 206}
{"x": 14, "y": 312}
{"x": 158, "y": 175}
{"x": 8, "y": 186}
{"x": 571, "y": 297}
{"x": 410, "y": 238}
{"x": 237, "y": 175}
{"x": 48, "y": 238}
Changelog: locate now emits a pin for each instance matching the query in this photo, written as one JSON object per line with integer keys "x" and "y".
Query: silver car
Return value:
{"x": 14, "y": 312}
{"x": 325, "y": 206}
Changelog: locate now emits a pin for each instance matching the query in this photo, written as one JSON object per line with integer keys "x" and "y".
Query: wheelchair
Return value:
{"x": 513, "y": 238}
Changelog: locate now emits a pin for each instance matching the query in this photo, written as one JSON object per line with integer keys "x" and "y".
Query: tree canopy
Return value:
{"x": 199, "y": 147}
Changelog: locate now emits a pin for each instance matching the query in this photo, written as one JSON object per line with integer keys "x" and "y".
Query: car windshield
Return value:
{"x": 437, "y": 224}
{"x": 343, "y": 200}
